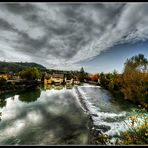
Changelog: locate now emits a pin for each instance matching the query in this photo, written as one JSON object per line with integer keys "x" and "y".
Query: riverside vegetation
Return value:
{"x": 29, "y": 80}
{"x": 30, "y": 77}
{"x": 131, "y": 85}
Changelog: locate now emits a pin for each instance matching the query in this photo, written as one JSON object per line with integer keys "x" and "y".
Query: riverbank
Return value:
{"x": 19, "y": 87}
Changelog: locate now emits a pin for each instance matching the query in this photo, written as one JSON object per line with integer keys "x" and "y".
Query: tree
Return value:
{"x": 82, "y": 70}
{"x": 135, "y": 80}
{"x": 30, "y": 73}
{"x": 94, "y": 77}
{"x": 82, "y": 74}
{"x": 138, "y": 62}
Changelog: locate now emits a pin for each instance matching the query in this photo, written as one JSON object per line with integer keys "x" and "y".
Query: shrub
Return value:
{"x": 138, "y": 131}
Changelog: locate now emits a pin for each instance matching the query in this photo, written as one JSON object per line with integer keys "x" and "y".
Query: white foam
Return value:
{"x": 118, "y": 122}
{"x": 92, "y": 109}
{"x": 99, "y": 117}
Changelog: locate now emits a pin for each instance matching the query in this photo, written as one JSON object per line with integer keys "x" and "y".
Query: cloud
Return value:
{"x": 62, "y": 35}
{"x": 4, "y": 25}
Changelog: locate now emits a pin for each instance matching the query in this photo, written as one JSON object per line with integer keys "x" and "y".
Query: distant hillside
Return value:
{"x": 15, "y": 67}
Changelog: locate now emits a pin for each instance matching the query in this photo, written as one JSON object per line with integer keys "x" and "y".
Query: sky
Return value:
{"x": 66, "y": 36}
{"x": 115, "y": 57}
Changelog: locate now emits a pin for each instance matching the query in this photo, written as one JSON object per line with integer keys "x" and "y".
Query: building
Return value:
{"x": 77, "y": 82}
{"x": 68, "y": 81}
{"x": 58, "y": 78}
{"x": 4, "y": 76}
{"x": 47, "y": 79}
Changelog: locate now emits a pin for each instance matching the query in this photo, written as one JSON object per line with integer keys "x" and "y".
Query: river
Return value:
{"x": 55, "y": 115}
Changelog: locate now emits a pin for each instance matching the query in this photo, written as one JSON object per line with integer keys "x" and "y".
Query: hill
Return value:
{"x": 15, "y": 67}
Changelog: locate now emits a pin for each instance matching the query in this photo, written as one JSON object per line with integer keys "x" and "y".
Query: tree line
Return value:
{"x": 132, "y": 84}
{"x": 34, "y": 73}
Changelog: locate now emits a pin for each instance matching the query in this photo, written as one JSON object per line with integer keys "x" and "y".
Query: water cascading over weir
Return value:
{"x": 103, "y": 119}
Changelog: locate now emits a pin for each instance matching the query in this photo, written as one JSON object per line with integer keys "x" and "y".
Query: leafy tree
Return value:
{"x": 135, "y": 79}
{"x": 30, "y": 73}
{"x": 138, "y": 62}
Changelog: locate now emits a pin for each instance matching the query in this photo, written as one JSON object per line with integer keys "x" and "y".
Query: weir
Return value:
{"x": 106, "y": 117}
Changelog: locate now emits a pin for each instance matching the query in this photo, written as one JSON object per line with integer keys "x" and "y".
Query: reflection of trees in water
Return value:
{"x": 7, "y": 95}
{"x": 2, "y": 103}
{"x": 51, "y": 86}
{"x": 3, "y": 98}
{"x": 56, "y": 86}
{"x": 30, "y": 96}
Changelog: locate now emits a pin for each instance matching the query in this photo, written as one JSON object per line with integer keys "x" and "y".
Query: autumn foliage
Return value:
{"x": 132, "y": 84}
{"x": 93, "y": 77}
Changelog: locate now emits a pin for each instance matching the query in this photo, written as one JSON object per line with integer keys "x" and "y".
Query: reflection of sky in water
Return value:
{"x": 55, "y": 118}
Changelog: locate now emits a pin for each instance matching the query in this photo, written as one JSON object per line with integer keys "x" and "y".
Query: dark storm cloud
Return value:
{"x": 4, "y": 25}
{"x": 63, "y": 34}
{"x": 72, "y": 16}
{"x": 20, "y": 9}
{"x": 31, "y": 44}
{"x": 24, "y": 39}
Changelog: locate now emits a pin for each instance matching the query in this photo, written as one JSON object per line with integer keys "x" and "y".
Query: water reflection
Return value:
{"x": 57, "y": 86}
{"x": 52, "y": 117}
{"x": 2, "y": 103}
{"x": 26, "y": 96}
{"x": 30, "y": 96}
{"x": 3, "y": 97}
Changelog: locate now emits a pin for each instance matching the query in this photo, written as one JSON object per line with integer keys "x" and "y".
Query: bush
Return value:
{"x": 30, "y": 73}
{"x": 138, "y": 131}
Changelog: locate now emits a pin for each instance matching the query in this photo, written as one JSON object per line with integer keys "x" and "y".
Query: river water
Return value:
{"x": 55, "y": 115}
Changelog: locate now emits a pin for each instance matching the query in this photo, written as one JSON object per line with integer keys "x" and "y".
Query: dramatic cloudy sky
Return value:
{"x": 97, "y": 36}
